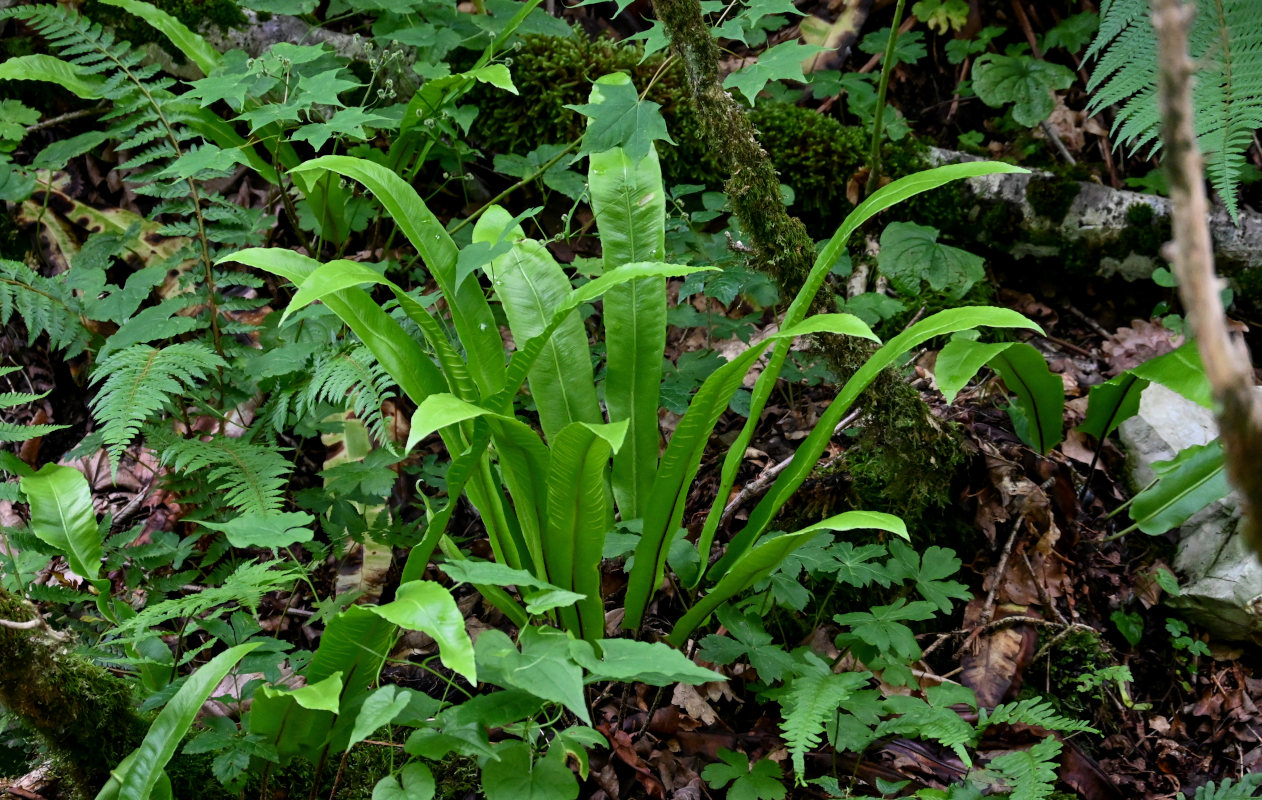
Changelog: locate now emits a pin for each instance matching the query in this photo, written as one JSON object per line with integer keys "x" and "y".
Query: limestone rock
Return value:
{"x": 1222, "y": 580}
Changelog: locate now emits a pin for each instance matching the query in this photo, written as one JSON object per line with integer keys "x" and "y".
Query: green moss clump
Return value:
{"x": 83, "y": 714}
{"x": 193, "y": 13}
{"x": 1051, "y": 197}
{"x": 552, "y": 72}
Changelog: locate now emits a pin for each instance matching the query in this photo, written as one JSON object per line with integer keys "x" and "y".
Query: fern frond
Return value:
{"x": 1225, "y": 43}
{"x": 1034, "y": 711}
{"x": 250, "y": 478}
{"x": 1031, "y": 773}
{"x": 243, "y": 588}
{"x": 809, "y": 703}
{"x": 1242, "y": 789}
{"x": 11, "y": 432}
{"x": 355, "y": 376}
{"x": 137, "y": 382}
{"x": 45, "y": 305}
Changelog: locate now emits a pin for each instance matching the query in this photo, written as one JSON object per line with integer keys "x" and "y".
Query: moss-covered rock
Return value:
{"x": 84, "y": 714}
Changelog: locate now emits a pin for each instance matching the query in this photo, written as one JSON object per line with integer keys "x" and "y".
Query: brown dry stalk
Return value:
{"x": 1226, "y": 359}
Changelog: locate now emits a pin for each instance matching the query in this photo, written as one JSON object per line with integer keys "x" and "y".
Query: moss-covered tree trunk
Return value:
{"x": 84, "y": 714}
{"x": 912, "y": 453}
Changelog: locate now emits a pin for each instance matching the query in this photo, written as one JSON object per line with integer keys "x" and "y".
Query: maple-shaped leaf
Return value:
{"x": 883, "y": 627}
{"x": 619, "y": 118}
{"x": 760, "y": 782}
{"x": 929, "y": 572}
{"x": 324, "y": 87}
{"x": 781, "y": 63}
{"x": 348, "y": 122}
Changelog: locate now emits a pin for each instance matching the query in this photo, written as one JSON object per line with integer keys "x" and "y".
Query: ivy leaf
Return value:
{"x": 761, "y": 782}
{"x": 654, "y": 663}
{"x": 911, "y": 254}
{"x": 619, "y": 118}
{"x": 543, "y": 668}
{"x": 1024, "y": 81}
{"x": 782, "y": 62}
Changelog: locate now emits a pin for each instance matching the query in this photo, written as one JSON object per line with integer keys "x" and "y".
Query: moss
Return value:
{"x": 83, "y": 714}
{"x": 552, "y": 72}
{"x": 193, "y": 13}
{"x": 1051, "y": 197}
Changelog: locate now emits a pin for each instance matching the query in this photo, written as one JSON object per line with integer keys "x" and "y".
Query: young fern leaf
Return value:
{"x": 1226, "y": 45}
{"x": 353, "y": 376}
{"x": 45, "y": 305}
{"x": 1242, "y": 789}
{"x": 810, "y": 702}
{"x": 251, "y": 477}
{"x": 1034, "y": 711}
{"x": 138, "y": 382}
{"x": 1031, "y": 773}
{"x": 10, "y": 432}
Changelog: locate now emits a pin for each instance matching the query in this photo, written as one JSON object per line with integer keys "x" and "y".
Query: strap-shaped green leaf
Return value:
{"x": 63, "y": 518}
{"x": 523, "y": 360}
{"x": 959, "y": 361}
{"x": 1186, "y": 484}
{"x": 194, "y": 47}
{"x": 579, "y": 515}
{"x": 341, "y": 274}
{"x": 888, "y": 195}
{"x": 757, "y": 563}
{"x": 138, "y": 774}
{"x": 808, "y": 452}
{"x": 531, "y": 286}
{"x": 401, "y": 356}
{"x": 630, "y": 207}
{"x": 665, "y": 506}
{"x": 1040, "y": 395}
{"x": 470, "y": 313}
{"x": 40, "y": 67}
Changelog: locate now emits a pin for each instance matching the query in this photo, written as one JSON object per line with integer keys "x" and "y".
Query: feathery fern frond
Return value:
{"x": 1031, "y": 773}
{"x": 1034, "y": 711}
{"x": 1226, "y": 45}
{"x": 250, "y": 477}
{"x": 352, "y": 375}
{"x": 137, "y": 382}
{"x": 809, "y": 703}
{"x": 11, "y": 432}
{"x": 1243, "y": 789}
{"x": 45, "y": 305}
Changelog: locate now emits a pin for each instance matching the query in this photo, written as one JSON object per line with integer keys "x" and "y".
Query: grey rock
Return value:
{"x": 1221, "y": 579}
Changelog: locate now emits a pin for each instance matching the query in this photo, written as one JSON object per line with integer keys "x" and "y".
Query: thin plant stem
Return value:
{"x": 878, "y": 117}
